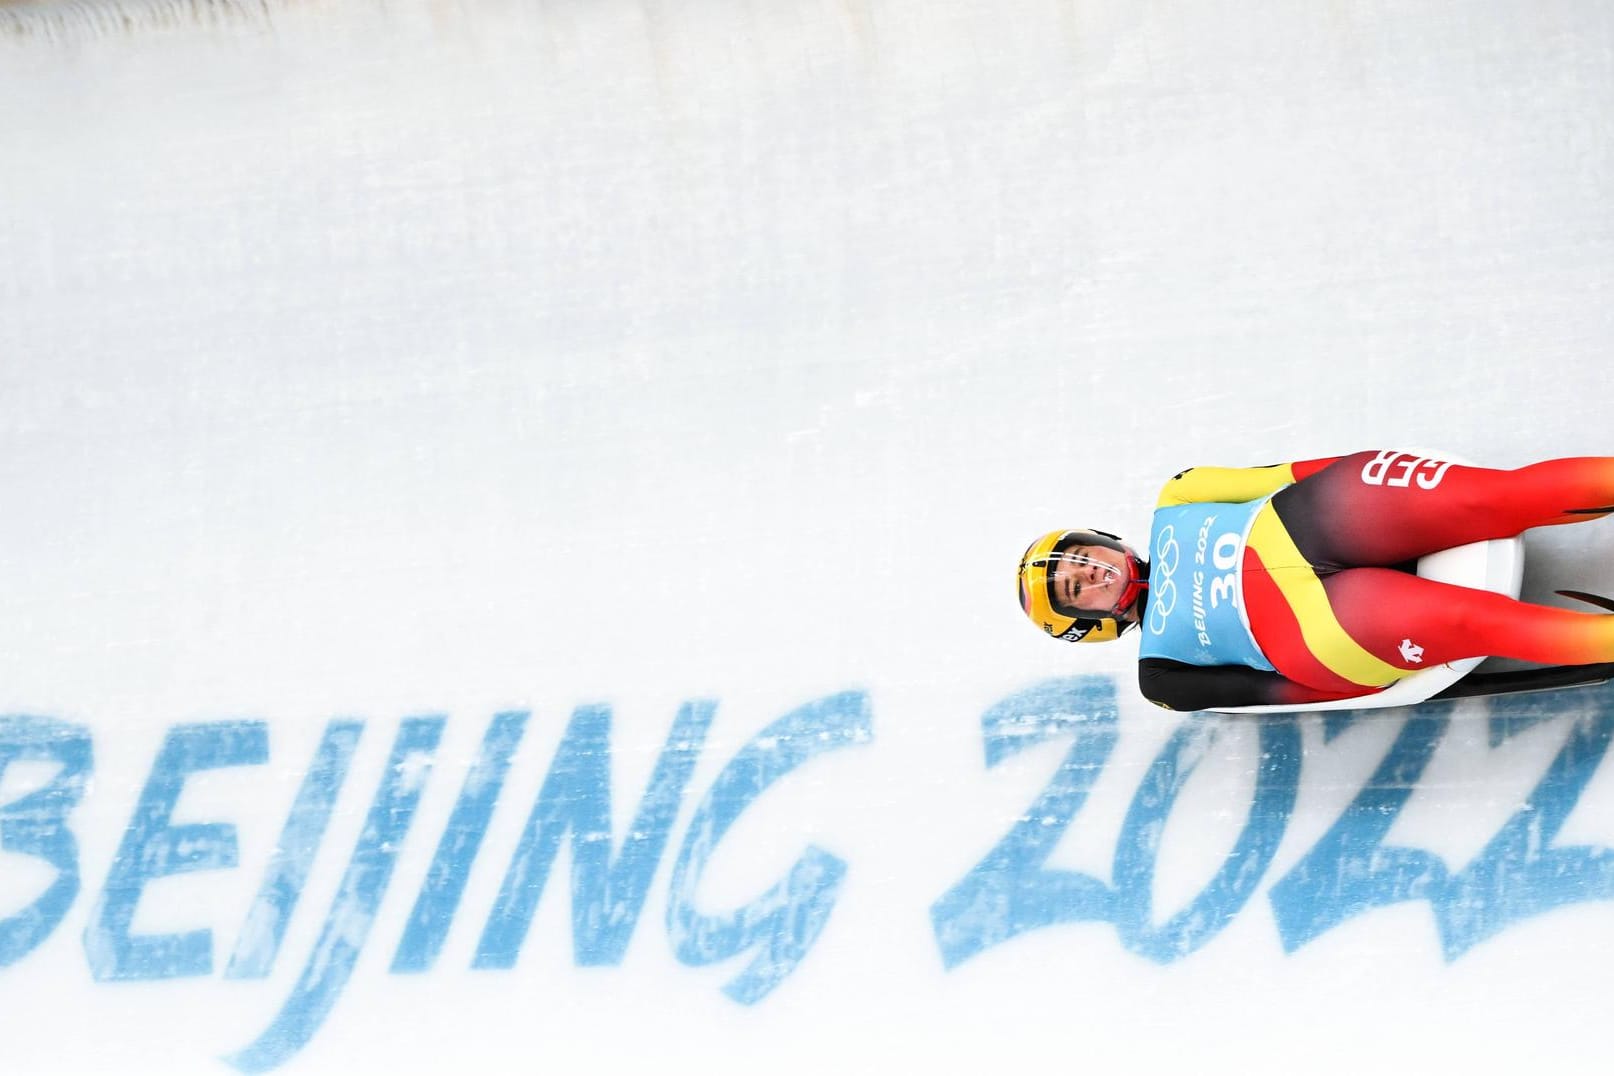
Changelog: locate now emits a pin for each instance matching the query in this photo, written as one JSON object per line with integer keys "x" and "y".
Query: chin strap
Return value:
{"x": 1137, "y": 586}
{"x": 1140, "y": 595}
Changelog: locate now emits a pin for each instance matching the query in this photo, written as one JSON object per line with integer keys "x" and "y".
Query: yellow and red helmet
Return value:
{"x": 1074, "y": 625}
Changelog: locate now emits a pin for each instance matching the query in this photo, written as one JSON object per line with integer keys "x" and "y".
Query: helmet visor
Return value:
{"x": 1088, "y": 579}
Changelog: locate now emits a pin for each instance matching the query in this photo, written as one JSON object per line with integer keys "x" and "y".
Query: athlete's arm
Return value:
{"x": 1235, "y": 485}
{"x": 1177, "y": 685}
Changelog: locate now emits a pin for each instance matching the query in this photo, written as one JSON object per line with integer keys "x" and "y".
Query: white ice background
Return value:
{"x": 380, "y": 359}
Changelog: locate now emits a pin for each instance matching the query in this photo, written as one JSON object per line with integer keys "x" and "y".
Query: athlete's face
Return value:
{"x": 1090, "y": 577}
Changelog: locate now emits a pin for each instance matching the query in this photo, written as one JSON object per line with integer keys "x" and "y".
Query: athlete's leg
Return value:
{"x": 1384, "y": 508}
{"x": 1414, "y": 623}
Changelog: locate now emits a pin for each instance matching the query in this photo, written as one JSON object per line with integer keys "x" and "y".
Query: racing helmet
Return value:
{"x": 1066, "y": 622}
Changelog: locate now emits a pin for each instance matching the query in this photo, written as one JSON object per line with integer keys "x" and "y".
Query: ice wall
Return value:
{"x": 510, "y": 506}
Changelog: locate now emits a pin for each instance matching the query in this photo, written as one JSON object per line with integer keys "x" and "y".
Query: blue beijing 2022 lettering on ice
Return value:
{"x": 1012, "y": 890}
{"x": 779, "y": 927}
{"x": 1349, "y": 871}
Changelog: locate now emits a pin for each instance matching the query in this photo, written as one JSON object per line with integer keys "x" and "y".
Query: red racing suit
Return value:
{"x": 1327, "y": 583}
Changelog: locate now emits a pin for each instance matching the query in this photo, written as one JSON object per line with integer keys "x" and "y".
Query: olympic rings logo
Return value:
{"x": 1163, "y": 590}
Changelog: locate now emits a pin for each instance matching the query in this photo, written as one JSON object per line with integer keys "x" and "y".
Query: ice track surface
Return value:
{"x": 509, "y": 511}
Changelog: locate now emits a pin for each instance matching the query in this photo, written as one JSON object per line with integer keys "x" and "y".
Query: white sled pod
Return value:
{"x": 1493, "y": 565}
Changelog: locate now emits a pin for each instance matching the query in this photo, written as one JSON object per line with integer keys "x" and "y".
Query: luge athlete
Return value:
{"x": 1294, "y": 583}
